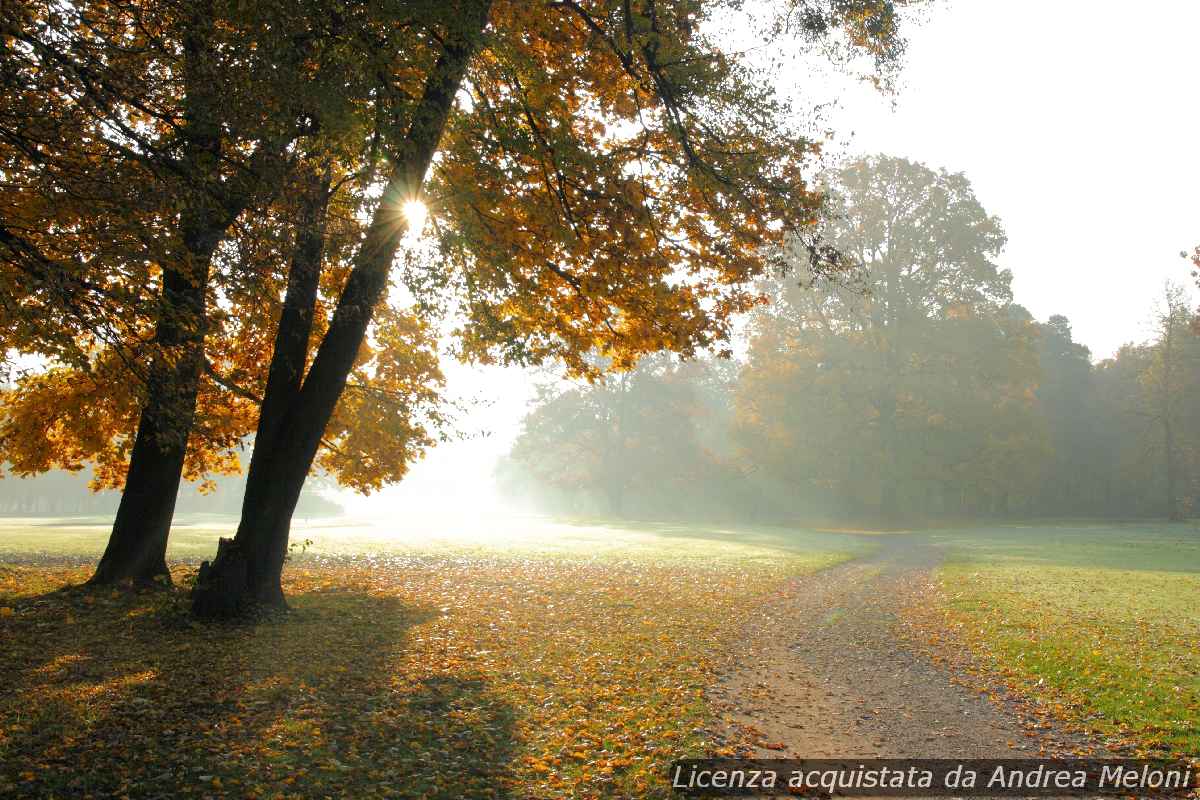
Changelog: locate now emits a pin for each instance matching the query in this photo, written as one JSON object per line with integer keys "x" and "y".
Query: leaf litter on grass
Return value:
{"x": 423, "y": 676}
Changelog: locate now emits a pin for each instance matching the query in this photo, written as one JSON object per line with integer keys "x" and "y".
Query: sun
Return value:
{"x": 415, "y": 213}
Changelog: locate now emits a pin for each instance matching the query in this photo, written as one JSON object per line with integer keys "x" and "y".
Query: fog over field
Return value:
{"x": 505, "y": 399}
{"x": 1097, "y": 114}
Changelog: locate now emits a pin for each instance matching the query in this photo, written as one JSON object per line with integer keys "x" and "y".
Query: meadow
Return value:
{"x": 1099, "y": 622}
{"x": 568, "y": 660}
{"x": 542, "y": 659}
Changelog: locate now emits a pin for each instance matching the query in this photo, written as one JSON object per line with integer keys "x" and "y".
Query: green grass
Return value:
{"x": 1100, "y": 621}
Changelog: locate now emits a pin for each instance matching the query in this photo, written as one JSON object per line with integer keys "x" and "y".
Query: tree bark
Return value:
{"x": 284, "y": 379}
{"x": 273, "y": 488}
{"x": 137, "y": 546}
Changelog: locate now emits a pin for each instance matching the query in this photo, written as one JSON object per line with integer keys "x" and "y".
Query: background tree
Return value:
{"x": 1067, "y": 397}
{"x": 639, "y": 442}
{"x": 1194, "y": 257}
{"x": 919, "y": 372}
{"x": 897, "y": 398}
{"x": 1168, "y": 381}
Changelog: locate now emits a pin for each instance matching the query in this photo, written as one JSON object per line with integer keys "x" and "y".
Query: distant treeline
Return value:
{"x": 62, "y": 493}
{"x": 912, "y": 389}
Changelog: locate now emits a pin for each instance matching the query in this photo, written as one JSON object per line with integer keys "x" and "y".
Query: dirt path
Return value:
{"x": 826, "y": 673}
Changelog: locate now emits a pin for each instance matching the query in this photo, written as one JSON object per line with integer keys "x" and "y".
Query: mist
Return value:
{"x": 599, "y": 399}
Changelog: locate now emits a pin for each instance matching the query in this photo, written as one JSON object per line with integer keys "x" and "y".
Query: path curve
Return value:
{"x": 826, "y": 672}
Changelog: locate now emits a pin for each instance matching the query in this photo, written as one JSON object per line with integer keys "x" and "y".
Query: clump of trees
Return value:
{"x": 648, "y": 435}
{"x": 914, "y": 389}
{"x": 202, "y": 210}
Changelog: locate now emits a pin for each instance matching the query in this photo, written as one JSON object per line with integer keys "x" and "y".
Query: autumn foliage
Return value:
{"x": 603, "y": 179}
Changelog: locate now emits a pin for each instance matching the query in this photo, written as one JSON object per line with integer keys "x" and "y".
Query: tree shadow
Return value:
{"x": 117, "y": 694}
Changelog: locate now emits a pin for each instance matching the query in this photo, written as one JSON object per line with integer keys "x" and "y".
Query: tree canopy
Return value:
{"x": 602, "y": 178}
{"x": 914, "y": 388}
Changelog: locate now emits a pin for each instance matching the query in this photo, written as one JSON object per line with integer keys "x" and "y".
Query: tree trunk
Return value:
{"x": 1173, "y": 512}
{"x": 889, "y": 502}
{"x": 137, "y": 546}
{"x": 1003, "y": 504}
{"x": 223, "y": 597}
{"x": 273, "y": 488}
{"x": 614, "y": 493}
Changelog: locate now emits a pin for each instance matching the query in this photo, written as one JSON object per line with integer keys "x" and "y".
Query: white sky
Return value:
{"x": 1075, "y": 121}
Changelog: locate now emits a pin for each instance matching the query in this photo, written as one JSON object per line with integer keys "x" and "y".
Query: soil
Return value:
{"x": 827, "y": 671}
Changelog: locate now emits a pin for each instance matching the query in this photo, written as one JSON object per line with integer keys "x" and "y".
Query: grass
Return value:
{"x": 526, "y": 659}
{"x": 528, "y": 667}
{"x": 194, "y": 537}
{"x": 1101, "y": 622}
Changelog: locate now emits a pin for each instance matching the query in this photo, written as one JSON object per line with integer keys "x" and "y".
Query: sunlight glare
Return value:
{"x": 415, "y": 213}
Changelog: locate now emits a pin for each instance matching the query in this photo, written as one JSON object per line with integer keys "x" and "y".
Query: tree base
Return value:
{"x": 223, "y": 588}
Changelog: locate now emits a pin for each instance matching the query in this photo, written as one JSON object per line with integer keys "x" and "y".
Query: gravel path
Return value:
{"x": 824, "y": 672}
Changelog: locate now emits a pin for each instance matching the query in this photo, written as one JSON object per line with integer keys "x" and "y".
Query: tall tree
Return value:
{"x": 1168, "y": 381}
{"x": 903, "y": 391}
{"x": 609, "y": 182}
{"x": 120, "y": 117}
{"x": 1066, "y": 395}
{"x": 139, "y": 136}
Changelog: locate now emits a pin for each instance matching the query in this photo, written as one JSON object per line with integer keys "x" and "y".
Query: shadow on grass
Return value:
{"x": 121, "y": 695}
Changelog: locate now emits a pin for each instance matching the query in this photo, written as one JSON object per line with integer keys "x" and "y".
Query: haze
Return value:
{"x": 1070, "y": 119}
{"x": 864, "y": 424}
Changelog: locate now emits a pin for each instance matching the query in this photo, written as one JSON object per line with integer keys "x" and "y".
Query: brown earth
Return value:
{"x": 830, "y": 670}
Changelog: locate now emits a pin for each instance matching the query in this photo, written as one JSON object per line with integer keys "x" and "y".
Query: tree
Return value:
{"x": 610, "y": 182}
{"x": 127, "y": 160}
{"x": 647, "y": 436}
{"x": 1066, "y": 396}
{"x": 1194, "y": 257}
{"x": 918, "y": 393}
{"x": 64, "y": 417}
{"x": 138, "y": 138}
{"x": 1167, "y": 381}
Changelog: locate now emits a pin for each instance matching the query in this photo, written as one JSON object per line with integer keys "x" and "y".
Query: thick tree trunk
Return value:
{"x": 225, "y": 587}
{"x": 247, "y": 571}
{"x": 137, "y": 547}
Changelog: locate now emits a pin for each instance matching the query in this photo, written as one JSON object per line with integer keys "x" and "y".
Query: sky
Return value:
{"x": 1075, "y": 121}
{"x": 1077, "y": 124}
